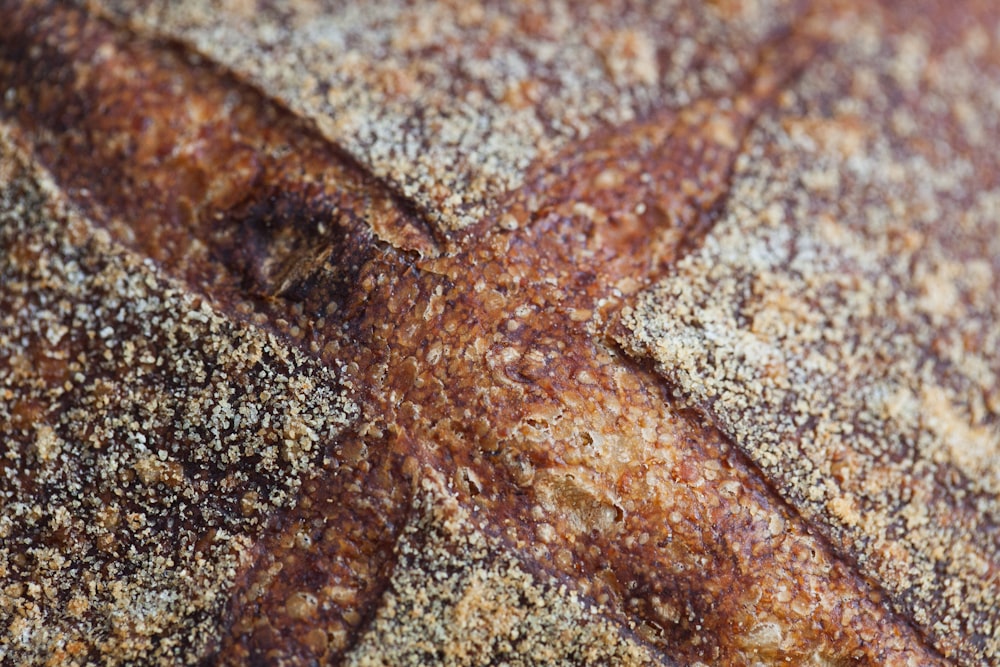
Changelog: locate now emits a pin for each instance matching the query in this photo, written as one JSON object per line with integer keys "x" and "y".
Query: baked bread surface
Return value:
{"x": 626, "y": 334}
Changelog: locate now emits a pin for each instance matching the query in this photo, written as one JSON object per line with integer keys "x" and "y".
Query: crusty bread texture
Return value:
{"x": 410, "y": 333}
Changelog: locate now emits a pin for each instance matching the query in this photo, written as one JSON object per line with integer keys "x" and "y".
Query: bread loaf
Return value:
{"x": 448, "y": 333}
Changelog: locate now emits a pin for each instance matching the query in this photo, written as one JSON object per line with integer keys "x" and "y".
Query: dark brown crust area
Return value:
{"x": 136, "y": 471}
{"x": 220, "y": 185}
{"x": 491, "y": 405}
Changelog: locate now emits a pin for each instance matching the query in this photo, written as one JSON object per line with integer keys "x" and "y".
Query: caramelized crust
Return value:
{"x": 511, "y": 486}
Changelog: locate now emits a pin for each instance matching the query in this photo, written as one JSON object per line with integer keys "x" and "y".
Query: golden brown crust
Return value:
{"x": 505, "y": 452}
{"x": 457, "y": 597}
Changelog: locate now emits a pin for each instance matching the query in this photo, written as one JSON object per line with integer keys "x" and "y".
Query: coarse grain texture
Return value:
{"x": 452, "y": 102}
{"x": 841, "y": 321}
{"x": 136, "y": 472}
{"x": 456, "y": 596}
{"x": 504, "y": 451}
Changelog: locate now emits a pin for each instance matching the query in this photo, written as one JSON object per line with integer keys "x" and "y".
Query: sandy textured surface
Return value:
{"x": 314, "y": 349}
{"x": 451, "y": 103}
{"x": 841, "y": 321}
{"x": 137, "y": 469}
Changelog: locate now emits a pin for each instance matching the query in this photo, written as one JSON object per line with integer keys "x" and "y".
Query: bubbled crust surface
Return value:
{"x": 506, "y": 462}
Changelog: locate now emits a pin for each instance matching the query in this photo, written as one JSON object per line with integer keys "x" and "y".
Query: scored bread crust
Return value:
{"x": 313, "y": 345}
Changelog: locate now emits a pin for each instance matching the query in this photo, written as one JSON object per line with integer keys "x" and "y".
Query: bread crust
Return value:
{"x": 483, "y": 473}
